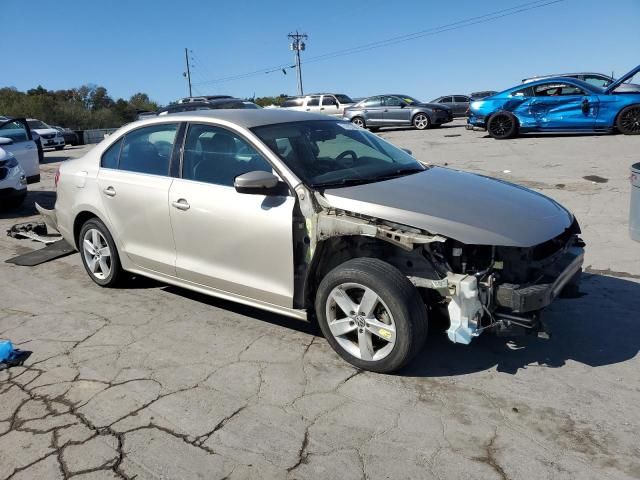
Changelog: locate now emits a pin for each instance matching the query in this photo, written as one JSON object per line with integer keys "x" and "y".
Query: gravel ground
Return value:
{"x": 157, "y": 382}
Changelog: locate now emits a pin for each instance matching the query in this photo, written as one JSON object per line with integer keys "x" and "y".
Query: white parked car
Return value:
{"x": 13, "y": 181}
{"x": 326, "y": 103}
{"x": 17, "y": 138}
{"x": 49, "y": 136}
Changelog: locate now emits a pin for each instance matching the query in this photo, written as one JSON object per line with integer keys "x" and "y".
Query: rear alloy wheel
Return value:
{"x": 99, "y": 255}
{"x": 502, "y": 125}
{"x": 371, "y": 315}
{"x": 359, "y": 122}
{"x": 629, "y": 120}
{"x": 421, "y": 121}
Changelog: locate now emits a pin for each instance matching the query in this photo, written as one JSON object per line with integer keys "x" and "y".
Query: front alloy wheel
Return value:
{"x": 371, "y": 314}
{"x": 421, "y": 121}
{"x": 360, "y": 321}
{"x": 502, "y": 125}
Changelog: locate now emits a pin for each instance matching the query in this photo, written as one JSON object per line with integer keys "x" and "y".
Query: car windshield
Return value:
{"x": 343, "y": 98}
{"x": 37, "y": 124}
{"x": 328, "y": 153}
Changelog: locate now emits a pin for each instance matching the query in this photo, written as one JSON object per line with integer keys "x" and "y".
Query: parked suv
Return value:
{"x": 327, "y": 103}
{"x": 49, "y": 136}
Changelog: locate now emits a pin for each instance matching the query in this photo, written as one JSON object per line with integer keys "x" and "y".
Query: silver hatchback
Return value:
{"x": 316, "y": 218}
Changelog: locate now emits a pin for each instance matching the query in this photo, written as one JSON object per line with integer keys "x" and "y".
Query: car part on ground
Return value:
{"x": 560, "y": 104}
{"x": 397, "y": 111}
{"x": 37, "y": 257}
{"x": 34, "y": 230}
{"x": 634, "y": 210}
{"x": 325, "y": 215}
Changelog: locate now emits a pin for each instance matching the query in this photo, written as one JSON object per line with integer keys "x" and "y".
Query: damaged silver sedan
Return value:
{"x": 315, "y": 218}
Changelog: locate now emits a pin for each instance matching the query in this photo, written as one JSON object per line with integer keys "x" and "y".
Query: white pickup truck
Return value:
{"x": 327, "y": 103}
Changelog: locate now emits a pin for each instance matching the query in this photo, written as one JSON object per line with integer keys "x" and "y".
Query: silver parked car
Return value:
{"x": 313, "y": 217}
{"x": 395, "y": 111}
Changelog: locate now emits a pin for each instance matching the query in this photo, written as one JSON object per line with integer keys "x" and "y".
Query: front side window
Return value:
{"x": 15, "y": 130}
{"x": 393, "y": 102}
{"x": 461, "y": 99}
{"x": 329, "y": 100}
{"x": 148, "y": 149}
{"x": 325, "y": 153}
{"x": 556, "y": 89}
{"x": 344, "y": 98}
{"x": 216, "y": 155}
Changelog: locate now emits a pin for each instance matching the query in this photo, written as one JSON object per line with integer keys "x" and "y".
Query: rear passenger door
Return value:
{"x": 134, "y": 186}
{"x": 373, "y": 111}
{"x": 313, "y": 104}
{"x": 460, "y": 105}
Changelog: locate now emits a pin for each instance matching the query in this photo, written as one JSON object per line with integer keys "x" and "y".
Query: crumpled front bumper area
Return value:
{"x": 535, "y": 296}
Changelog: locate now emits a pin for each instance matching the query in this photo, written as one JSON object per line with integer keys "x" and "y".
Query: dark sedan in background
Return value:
{"x": 459, "y": 104}
{"x": 396, "y": 110}
{"x": 214, "y": 104}
{"x": 70, "y": 137}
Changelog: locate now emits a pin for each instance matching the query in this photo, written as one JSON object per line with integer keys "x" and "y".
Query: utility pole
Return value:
{"x": 188, "y": 72}
{"x": 298, "y": 45}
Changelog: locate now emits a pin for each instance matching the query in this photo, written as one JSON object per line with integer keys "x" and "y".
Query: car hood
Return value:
{"x": 622, "y": 79}
{"x": 470, "y": 208}
{"x": 44, "y": 131}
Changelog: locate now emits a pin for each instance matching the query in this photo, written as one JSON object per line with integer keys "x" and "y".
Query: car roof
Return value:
{"x": 576, "y": 81}
{"x": 249, "y": 118}
{"x": 542, "y": 77}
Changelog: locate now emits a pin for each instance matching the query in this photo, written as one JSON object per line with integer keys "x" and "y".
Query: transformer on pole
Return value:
{"x": 298, "y": 45}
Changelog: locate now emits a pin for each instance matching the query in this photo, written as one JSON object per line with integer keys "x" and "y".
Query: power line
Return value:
{"x": 488, "y": 17}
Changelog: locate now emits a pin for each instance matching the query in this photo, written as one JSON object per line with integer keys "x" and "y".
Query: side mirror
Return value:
{"x": 406, "y": 150}
{"x": 5, "y": 141}
{"x": 259, "y": 183}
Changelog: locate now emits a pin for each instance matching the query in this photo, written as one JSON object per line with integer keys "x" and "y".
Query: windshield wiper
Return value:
{"x": 401, "y": 172}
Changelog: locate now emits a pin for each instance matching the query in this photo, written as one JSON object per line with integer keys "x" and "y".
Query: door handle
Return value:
{"x": 181, "y": 204}
{"x": 110, "y": 191}
{"x": 321, "y": 108}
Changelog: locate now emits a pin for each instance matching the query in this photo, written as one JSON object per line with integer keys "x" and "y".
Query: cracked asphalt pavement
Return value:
{"x": 153, "y": 381}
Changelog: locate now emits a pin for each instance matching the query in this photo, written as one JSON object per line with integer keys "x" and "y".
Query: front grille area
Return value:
{"x": 48, "y": 136}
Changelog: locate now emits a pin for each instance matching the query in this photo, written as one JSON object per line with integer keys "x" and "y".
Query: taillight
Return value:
{"x": 57, "y": 177}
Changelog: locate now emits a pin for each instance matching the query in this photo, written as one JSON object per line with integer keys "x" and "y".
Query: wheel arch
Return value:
{"x": 80, "y": 219}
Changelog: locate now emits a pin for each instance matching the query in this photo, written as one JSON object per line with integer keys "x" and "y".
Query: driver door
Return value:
{"x": 396, "y": 111}
{"x": 560, "y": 106}
{"x": 228, "y": 241}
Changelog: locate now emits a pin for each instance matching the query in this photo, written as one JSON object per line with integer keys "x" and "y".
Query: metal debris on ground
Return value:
{"x": 52, "y": 251}
{"x": 34, "y": 230}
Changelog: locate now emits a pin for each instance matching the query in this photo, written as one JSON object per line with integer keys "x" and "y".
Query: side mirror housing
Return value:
{"x": 259, "y": 182}
{"x": 5, "y": 141}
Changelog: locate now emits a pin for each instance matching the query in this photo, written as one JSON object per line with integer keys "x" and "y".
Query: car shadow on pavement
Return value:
{"x": 302, "y": 326}
{"x": 44, "y": 198}
{"x": 599, "y": 328}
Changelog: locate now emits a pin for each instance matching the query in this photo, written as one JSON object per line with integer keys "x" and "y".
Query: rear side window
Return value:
{"x": 313, "y": 102}
{"x": 445, "y": 100}
{"x": 373, "y": 102}
{"x": 461, "y": 99}
{"x": 111, "y": 156}
{"x": 145, "y": 150}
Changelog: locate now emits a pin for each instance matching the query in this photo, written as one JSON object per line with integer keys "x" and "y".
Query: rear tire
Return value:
{"x": 99, "y": 254}
{"x": 386, "y": 322}
{"x": 502, "y": 125}
{"x": 628, "y": 121}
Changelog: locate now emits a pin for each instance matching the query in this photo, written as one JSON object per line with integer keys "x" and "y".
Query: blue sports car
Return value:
{"x": 558, "y": 104}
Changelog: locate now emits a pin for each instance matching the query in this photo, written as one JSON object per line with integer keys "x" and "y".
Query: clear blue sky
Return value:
{"x": 138, "y": 45}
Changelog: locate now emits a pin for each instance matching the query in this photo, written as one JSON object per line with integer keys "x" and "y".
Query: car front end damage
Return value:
{"x": 479, "y": 287}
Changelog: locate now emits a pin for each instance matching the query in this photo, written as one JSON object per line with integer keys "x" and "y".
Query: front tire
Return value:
{"x": 99, "y": 254}
{"x": 421, "y": 121}
{"x": 502, "y": 125}
{"x": 371, "y": 315}
{"x": 628, "y": 121}
{"x": 359, "y": 122}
